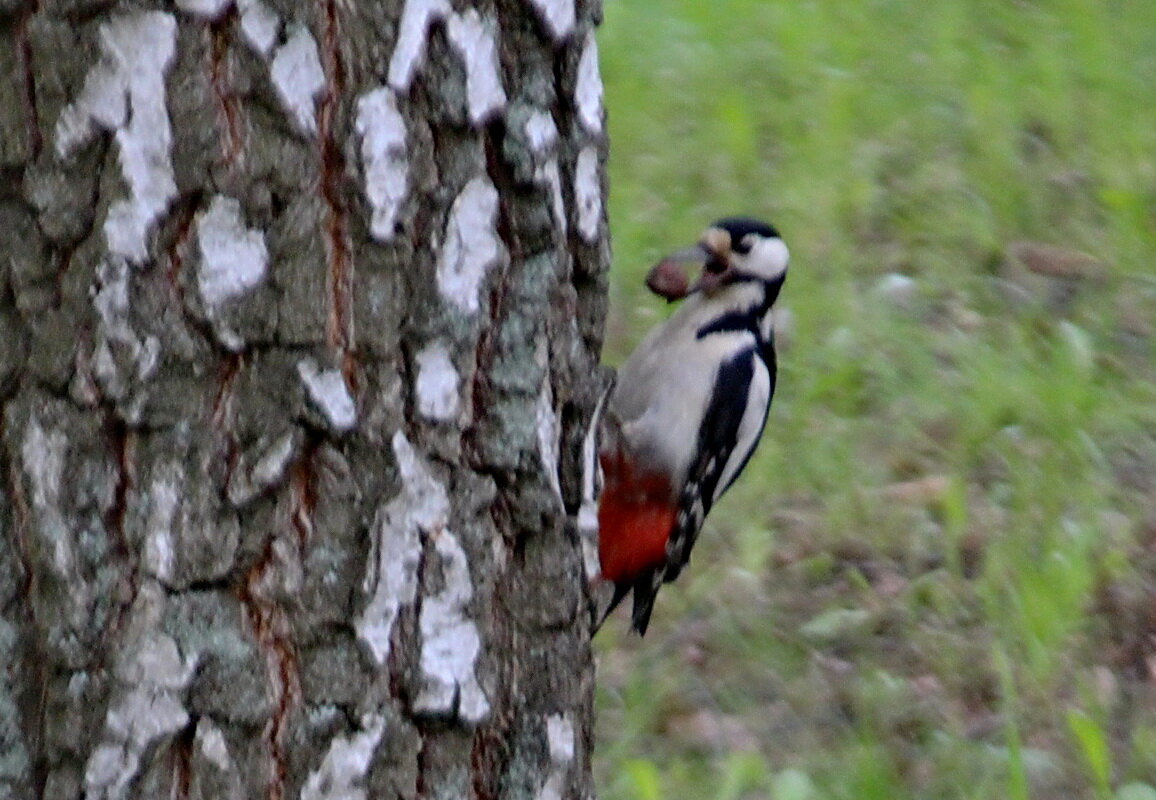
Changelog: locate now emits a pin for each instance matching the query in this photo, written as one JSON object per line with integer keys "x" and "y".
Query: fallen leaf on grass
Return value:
{"x": 925, "y": 491}
{"x": 712, "y": 731}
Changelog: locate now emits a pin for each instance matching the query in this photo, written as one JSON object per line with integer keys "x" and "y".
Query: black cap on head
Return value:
{"x": 740, "y": 227}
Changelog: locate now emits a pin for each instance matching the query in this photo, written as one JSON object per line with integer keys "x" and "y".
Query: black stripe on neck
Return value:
{"x": 732, "y": 322}
{"x": 749, "y": 319}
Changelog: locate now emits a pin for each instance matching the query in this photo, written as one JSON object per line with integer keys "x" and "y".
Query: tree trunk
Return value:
{"x": 300, "y": 308}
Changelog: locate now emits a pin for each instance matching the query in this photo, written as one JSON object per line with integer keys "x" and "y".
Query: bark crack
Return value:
{"x": 182, "y": 755}
{"x": 221, "y": 415}
{"x": 271, "y": 628}
{"x": 422, "y": 757}
{"x": 270, "y": 621}
{"x": 303, "y": 495}
{"x": 408, "y": 629}
{"x": 122, "y": 442}
{"x": 63, "y": 258}
{"x": 228, "y": 111}
{"x": 267, "y": 619}
{"x": 502, "y": 179}
{"x": 339, "y": 327}
{"x": 28, "y": 85}
{"x": 185, "y": 214}
{"x": 492, "y": 749}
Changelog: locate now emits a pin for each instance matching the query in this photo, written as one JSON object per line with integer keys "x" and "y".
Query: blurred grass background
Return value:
{"x": 937, "y": 578}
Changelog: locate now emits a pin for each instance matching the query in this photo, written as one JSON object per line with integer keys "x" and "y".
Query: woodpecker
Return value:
{"x": 688, "y": 407}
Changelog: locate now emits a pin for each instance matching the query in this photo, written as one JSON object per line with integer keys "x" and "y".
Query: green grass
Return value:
{"x": 936, "y": 578}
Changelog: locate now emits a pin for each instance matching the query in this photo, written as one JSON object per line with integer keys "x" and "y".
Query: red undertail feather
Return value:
{"x": 636, "y": 514}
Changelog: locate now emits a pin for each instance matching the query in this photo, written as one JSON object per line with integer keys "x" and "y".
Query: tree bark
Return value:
{"x": 300, "y": 312}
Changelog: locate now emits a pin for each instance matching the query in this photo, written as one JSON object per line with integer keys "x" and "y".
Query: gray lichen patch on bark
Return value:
{"x": 147, "y": 705}
{"x": 16, "y": 707}
{"x": 179, "y": 523}
{"x": 68, "y": 483}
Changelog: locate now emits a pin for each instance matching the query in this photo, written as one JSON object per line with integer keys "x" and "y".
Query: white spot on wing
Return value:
{"x": 136, "y": 50}
{"x": 473, "y": 38}
{"x": 383, "y": 158}
{"x": 413, "y": 30}
{"x": 346, "y": 764}
{"x": 588, "y": 193}
{"x": 471, "y": 245}
{"x": 558, "y": 15}
{"x": 298, "y": 77}
{"x": 437, "y": 383}
{"x": 329, "y": 392}
{"x": 233, "y": 257}
{"x": 391, "y": 575}
{"x": 450, "y": 642}
{"x": 588, "y": 89}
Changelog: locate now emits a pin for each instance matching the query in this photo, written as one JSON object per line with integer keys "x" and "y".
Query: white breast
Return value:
{"x": 665, "y": 385}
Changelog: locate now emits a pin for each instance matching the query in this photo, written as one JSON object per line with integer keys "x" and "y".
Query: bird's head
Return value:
{"x": 732, "y": 250}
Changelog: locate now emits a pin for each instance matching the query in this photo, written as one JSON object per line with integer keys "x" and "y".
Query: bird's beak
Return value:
{"x": 668, "y": 278}
{"x": 709, "y": 280}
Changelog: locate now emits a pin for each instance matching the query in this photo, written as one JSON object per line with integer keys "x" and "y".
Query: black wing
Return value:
{"x": 717, "y": 440}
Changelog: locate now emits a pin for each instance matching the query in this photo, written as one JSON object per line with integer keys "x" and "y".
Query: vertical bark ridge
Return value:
{"x": 30, "y": 663}
{"x": 176, "y": 255}
{"x": 303, "y": 495}
{"x": 28, "y": 80}
{"x": 182, "y": 758}
{"x": 19, "y": 519}
{"x": 259, "y": 592}
{"x": 221, "y": 415}
{"x": 122, "y": 446}
{"x": 271, "y": 628}
{"x": 228, "y": 109}
{"x": 339, "y": 330}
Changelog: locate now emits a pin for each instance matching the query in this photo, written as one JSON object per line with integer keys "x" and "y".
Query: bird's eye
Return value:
{"x": 746, "y": 243}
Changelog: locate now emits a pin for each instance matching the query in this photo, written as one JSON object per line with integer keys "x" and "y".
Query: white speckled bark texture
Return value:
{"x": 300, "y": 314}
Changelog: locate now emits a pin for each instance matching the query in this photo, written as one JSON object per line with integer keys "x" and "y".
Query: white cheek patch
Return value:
{"x": 768, "y": 258}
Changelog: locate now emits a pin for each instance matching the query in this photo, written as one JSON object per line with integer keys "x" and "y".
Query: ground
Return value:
{"x": 938, "y": 576}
